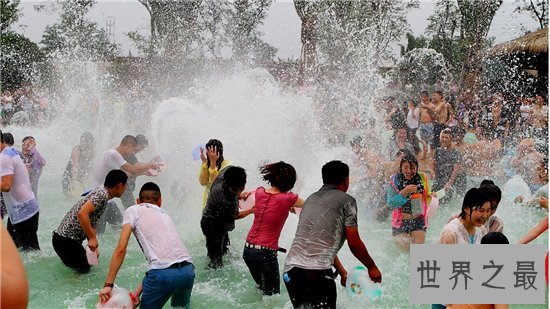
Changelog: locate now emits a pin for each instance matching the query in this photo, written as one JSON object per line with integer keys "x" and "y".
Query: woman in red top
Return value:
{"x": 271, "y": 209}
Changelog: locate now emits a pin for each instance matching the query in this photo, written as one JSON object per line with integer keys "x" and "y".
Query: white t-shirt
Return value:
{"x": 413, "y": 122}
{"x": 455, "y": 233}
{"x": 112, "y": 160}
{"x": 20, "y": 200}
{"x": 157, "y": 235}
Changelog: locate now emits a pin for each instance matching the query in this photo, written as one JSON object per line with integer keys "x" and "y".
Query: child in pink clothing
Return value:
{"x": 270, "y": 213}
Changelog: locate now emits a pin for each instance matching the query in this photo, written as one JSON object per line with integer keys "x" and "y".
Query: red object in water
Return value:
{"x": 546, "y": 267}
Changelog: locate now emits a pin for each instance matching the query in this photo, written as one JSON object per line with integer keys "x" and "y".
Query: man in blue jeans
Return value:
{"x": 171, "y": 273}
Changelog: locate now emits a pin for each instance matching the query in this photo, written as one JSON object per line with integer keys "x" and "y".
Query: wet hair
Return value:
{"x": 129, "y": 140}
{"x": 150, "y": 191}
{"x": 356, "y": 140}
{"x": 458, "y": 133}
{"x": 415, "y": 104}
{"x": 27, "y": 138}
{"x": 438, "y": 92}
{"x": 493, "y": 193}
{"x": 114, "y": 177}
{"x": 473, "y": 200}
{"x": 334, "y": 172}
{"x": 411, "y": 159}
{"x": 1, "y": 137}
{"x": 446, "y": 131}
{"x": 87, "y": 137}
{"x": 281, "y": 175}
{"x": 219, "y": 146}
{"x": 8, "y": 139}
{"x": 424, "y": 92}
{"x": 405, "y": 152}
{"x": 142, "y": 140}
{"x": 496, "y": 238}
{"x": 234, "y": 178}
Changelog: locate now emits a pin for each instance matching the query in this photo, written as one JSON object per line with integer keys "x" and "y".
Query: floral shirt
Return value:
{"x": 70, "y": 225}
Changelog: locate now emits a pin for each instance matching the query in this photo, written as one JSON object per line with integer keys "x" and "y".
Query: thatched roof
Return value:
{"x": 533, "y": 43}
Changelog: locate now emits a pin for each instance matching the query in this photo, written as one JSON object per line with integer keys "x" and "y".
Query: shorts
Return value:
{"x": 407, "y": 226}
{"x": 426, "y": 131}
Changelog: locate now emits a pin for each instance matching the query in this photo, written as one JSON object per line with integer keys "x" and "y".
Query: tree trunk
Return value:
{"x": 307, "y": 13}
{"x": 476, "y": 18}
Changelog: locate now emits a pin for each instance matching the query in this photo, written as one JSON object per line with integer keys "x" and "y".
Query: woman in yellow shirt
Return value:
{"x": 212, "y": 162}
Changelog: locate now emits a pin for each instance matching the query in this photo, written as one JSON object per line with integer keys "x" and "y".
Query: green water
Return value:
{"x": 52, "y": 285}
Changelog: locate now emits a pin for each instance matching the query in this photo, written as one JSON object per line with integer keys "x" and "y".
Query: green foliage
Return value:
{"x": 195, "y": 29}
{"x": 421, "y": 67}
{"x": 22, "y": 61}
{"x": 414, "y": 42}
{"x": 9, "y": 13}
{"x": 244, "y": 17}
{"x": 74, "y": 37}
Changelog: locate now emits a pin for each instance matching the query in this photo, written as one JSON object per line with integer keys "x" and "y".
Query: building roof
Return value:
{"x": 533, "y": 43}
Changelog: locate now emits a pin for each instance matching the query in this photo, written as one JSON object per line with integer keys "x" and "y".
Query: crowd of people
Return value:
{"x": 23, "y": 107}
{"x": 437, "y": 151}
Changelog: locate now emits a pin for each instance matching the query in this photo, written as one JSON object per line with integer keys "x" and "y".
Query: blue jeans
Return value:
{"x": 161, "y": 284}
{"x": 264, "y": 268}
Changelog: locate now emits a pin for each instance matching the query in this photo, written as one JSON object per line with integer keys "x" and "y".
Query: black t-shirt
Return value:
{"x": 445, "y": 161}
{"x": 222, "y": 205}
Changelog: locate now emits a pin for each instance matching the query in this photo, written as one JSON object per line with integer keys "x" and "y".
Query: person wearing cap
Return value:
{"x": 128, "y": 196}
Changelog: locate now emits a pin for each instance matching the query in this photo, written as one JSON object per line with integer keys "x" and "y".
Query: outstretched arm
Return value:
{"x": 359, "y": 250}
{"x": 116, "y": 262}
{"x": 535, "y": 232}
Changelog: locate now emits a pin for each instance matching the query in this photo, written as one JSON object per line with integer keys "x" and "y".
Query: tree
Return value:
{"x": 422, "y": 67}
{"x": 75, "y": 37}
{"x": 22, "y": 61}
{"x": 476, "y": 18}
{"x": 308, "y": 11}
{"x": 350, "y": 29}
{"x": 538, "y": 9}
{"x": 174, "y": 27}
{"x": 244, "y": 18}
{"x": 9, "y": 13}
{"x": 444, "y": 31}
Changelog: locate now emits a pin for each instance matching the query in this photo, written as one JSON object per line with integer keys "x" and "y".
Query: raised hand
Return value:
{"x": 213, "y": 154}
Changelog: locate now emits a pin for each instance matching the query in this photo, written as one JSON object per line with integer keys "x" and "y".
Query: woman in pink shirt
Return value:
{"x": 271, "y": 209}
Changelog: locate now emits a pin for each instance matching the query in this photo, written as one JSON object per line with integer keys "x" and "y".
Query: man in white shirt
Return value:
{"x": 21, "y": 203}
{"x": 113, "y": 160}
{"x": 171, "y": 273}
